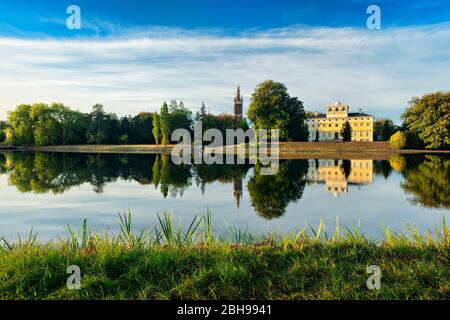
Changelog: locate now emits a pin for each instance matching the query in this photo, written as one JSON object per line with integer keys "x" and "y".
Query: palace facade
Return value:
{"x": 328, "y": 127}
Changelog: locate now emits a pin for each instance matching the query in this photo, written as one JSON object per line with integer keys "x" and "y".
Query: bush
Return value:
{"x": 397, "y": 140}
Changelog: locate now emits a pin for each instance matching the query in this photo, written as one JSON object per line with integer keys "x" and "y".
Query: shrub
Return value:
{"x": 397, "y": 140}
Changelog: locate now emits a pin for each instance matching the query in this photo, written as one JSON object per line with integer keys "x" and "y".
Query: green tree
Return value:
{"x": 45, "y": 126}
{"x": 383, "y": 129}
{"x": 97, "y": 130}
{"x": 141, "y": 128}
{"x": 165, "y": 124}
{"x": 22, "y": 126}
{"x": 398, "y": 140}
{"x": 346, "y": 132}
{"x": 3, "y": 126}
{"x": 202, "y": 113}
{"x": 271, "y": 107}
{"x": 67, "y": 120}
{"x": 429, "y": 118}
{"x": 317, "y": 136}
{"x": 156, "y": 128}
{"x": 180, "y": 116}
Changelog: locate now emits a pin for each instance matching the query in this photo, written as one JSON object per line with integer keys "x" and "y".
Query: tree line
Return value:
{"x": 426, "y": 122}
{"x": 56, "y": 124}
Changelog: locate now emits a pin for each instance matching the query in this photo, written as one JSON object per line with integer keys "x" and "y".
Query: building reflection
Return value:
{"x": 338, "y": 174}
{"x": 237, "y": 191}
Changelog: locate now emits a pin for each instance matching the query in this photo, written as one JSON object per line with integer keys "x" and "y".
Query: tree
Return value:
{"x": 165, "y": 124}
{"x": 67, "y": 120}
{"x": 22, "y": 126}
{"x": 3, "y": 126}
{"x": 45, "y": 126}
{"x": 346, "y": 132}
{"x": 97, "y": 131}
{"x": 156, "y": 128}
{"x": 142, "y": 128}
{"x": 383, "y": 129}
{"x": 429, "y": 118}
{"x": 202, "y": 113}
{"x": 398, "y": 140}
{"x": 180, "y": 117}
{"x": 317, "y": 136}
{"x": 273, "y": 108}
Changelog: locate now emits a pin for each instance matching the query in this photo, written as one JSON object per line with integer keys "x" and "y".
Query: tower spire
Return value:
{"x": 238, "y": 104}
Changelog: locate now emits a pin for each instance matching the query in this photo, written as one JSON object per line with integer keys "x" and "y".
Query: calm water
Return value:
{"x": 47, "y": 191}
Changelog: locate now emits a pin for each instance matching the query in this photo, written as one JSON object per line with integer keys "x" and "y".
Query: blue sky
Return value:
{"x": 132, "y": 55}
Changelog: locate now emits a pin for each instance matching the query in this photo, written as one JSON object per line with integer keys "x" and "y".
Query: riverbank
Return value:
{"x": 193, "y": 264}
{"x": 380, "y": 150}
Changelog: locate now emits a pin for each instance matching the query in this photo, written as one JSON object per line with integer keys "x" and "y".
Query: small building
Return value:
{"x": 328, "y": 127}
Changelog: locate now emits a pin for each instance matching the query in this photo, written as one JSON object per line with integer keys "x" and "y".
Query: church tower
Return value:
{"x": 238, "y": 104}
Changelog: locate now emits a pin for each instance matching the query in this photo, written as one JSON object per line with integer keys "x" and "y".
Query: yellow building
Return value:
{"x": 328, "y": 126}
{"x": 332, "y": 173}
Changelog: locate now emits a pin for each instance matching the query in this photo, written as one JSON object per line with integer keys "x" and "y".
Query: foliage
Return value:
{"x": 429, "y": 118}
{"x": 180, "y": 116}
{"x": 156, "y": 128}
{"x": 3, "y": 126}
{"x": 271, "y": 107}
{"x": 346, "y": 132}
{"x": 397, "y": 140}
{"x": 41, "y": 124}
{"x": 383, "y": 129}
{"x": 164, "y": 124}
{"x": 176, "y": 261}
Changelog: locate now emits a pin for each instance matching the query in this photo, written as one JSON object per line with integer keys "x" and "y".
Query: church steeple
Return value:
{"x": 238, "y": 104}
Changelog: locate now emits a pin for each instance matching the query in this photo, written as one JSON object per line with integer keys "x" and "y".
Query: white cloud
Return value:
{"x": 378, "y": 70}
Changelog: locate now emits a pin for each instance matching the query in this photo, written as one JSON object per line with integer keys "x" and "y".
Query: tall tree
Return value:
{"x": 180, "y": 117}
{"x": 97, "y": 132}
{"x": 22, "y": 126}
{"x": 156, "y": 128}
{"x": 67, "y": 120}
{"x": 383, "y": 129}
{"x": 346, "y": 132}
{"x": 165, "y": 124}
{"x": 429, "y": 118}
{"x": 3, "y": 126}
{"x": 202, "y": 113}
{"x": 273, "y": 108}
{"x": 45, "y": 126}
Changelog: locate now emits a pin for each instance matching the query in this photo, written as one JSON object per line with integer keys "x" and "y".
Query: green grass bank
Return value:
{"x": 189, "y": 262}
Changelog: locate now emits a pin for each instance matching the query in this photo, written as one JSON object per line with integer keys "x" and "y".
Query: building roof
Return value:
{"x": 358, "y": 114}
{"x": 350, "y": 114}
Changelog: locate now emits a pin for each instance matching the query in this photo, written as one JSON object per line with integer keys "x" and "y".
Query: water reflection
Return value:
{"x": 338, "y": 174}
{"x": 425, "y": 179}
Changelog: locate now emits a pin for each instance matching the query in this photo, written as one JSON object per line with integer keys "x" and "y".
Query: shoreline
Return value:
{"x": 287, "y": 150}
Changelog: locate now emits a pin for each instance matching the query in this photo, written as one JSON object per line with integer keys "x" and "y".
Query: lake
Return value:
{"x": 47, "y": 191}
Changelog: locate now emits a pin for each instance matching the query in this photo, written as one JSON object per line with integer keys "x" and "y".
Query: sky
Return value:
{"x": 134, "y": 55}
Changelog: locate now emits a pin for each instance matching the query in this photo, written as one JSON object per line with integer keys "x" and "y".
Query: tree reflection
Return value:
{"x": 271, "y": 194}
{"x": 427, "y": 180}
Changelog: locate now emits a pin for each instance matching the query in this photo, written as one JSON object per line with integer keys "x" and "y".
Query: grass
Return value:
{"x": 170, "y": 261}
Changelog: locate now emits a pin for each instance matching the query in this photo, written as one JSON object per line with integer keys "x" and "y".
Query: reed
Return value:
{"x": 173, "y": 260}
